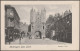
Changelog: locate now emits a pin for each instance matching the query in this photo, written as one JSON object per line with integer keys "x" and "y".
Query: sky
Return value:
{"x": 24, "y": 10}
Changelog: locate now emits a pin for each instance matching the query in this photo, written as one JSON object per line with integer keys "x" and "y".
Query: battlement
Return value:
{"x": 39, "y": 11}
{"x": 40, "y": 14}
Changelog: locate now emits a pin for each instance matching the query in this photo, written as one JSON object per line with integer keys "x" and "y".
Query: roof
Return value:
{"x": 10, "y": 7}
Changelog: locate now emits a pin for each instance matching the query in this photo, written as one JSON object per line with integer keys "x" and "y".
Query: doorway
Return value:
{"x": 38, "y": 35}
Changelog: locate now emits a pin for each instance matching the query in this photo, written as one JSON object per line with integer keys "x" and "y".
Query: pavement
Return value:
{"x": 36, "y": 41}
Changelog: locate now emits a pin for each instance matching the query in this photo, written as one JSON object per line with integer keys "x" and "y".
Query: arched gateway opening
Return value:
{"x": 38, "y": 35}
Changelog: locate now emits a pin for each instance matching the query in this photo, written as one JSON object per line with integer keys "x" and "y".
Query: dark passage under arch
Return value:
{"x": 38, "y": 34}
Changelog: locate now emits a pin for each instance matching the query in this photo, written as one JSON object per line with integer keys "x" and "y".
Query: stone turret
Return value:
{"x": 37, "y": 20}
{"x": 43, "y": 15}
{"x": 32, "y": 15}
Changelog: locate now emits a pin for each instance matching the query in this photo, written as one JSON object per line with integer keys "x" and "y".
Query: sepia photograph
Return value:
{"x": 38, "y": 24}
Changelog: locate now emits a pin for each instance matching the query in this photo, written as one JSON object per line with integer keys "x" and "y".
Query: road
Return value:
{"x": 36, "y": 41}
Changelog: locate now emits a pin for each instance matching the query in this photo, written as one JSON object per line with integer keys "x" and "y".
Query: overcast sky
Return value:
{"x": 24, "y": 10}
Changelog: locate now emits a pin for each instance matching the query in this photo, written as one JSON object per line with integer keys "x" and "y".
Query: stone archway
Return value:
{"x": 38, "y": 35}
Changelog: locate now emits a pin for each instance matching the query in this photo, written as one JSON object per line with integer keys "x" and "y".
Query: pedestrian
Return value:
{"x": 10, "y": 39}
{"x": 27, "y": 34}
{"x": 20, "y": 39}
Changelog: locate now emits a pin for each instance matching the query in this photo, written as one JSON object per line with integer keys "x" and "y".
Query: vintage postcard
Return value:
{"x": 39, "y": 25}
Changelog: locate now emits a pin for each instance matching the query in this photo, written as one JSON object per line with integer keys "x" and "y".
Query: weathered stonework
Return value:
{"x": 37, "y": 20}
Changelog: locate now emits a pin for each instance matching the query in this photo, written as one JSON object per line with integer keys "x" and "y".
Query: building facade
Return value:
{"x": 37, "y": 20}
{"x": 11, "y": 22}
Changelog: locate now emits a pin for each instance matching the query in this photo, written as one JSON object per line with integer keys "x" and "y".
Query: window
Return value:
{"x": 43, "y": 27}
{"x": 32, "y": 27}
{"x": 11, "y": 13}
{"x": 67, "y": 21}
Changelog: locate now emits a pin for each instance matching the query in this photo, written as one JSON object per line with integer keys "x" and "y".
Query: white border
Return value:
{"x": 75, "y": 26}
